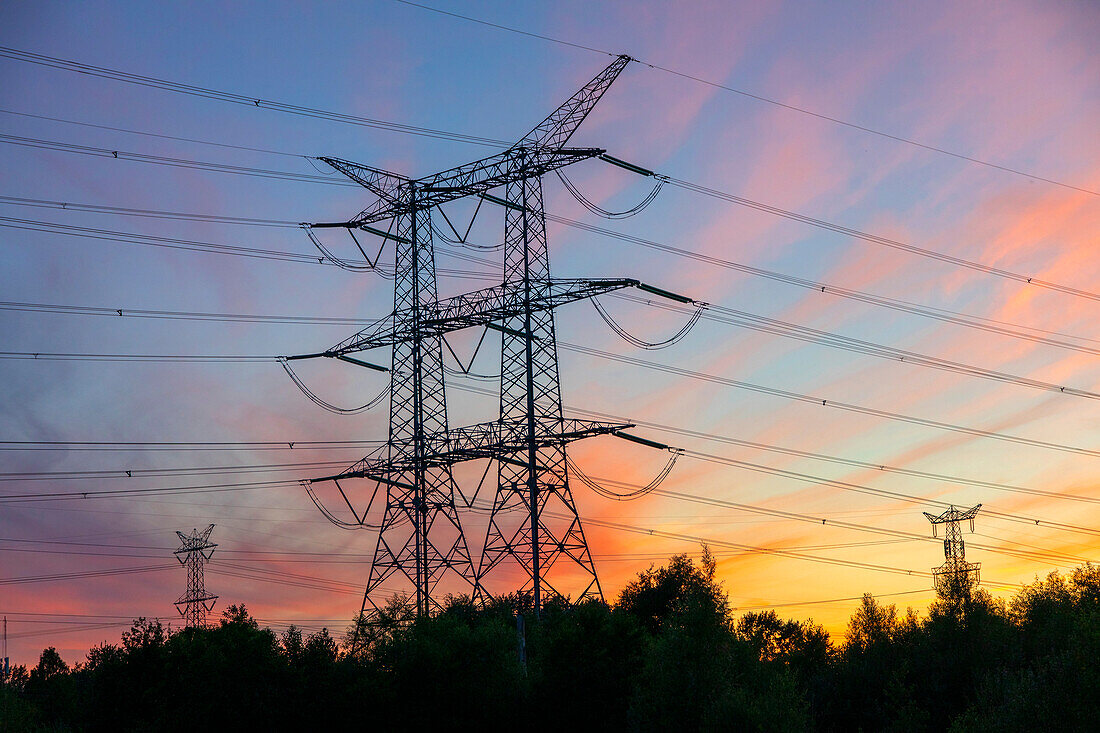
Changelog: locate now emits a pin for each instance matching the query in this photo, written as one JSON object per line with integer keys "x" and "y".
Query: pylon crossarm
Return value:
{"x": 199, "y": 599}
{"x": 486, "y": 440}
{"x": 472, "y": 179}
{"x": 196, "y": 548}
{"x": 381, "y": 183}
{"x": 559, "y": 125}
{"x": 512, "y": 165}
{"x": 479, "y": 308}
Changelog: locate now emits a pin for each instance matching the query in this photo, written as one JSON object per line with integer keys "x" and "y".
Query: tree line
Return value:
{"x": 668, "y": 654}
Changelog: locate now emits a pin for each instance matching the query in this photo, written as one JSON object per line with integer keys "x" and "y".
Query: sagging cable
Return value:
{"x": 463, "y": 240}
{"x": 469, "y": 502}
{"x": 471, "y": 375}
{"x": 636, "y": 493}
{"x": 345, "y": 264}
{"x": 464, "y": 243}
{"x": 648, "y": 345}
{"x": 600, "y": 211}
{"x": 342, "y": 524}
{"x": 465, "y": 370}
{"x": 325, "y": 405}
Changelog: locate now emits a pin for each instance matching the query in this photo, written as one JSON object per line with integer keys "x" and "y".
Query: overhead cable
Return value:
{"x": 678, "y": 371}
{"x": 884, "y": 241}
{"x": 373, "y": 402}
{"x": 1004, "y": 328}
{"x": 604, "y": 213}
{"x": 641, "y": 343}
{"x": 759, "y": 98}
{"x": 247, "y": 101}
{"x": 835, "y": 404}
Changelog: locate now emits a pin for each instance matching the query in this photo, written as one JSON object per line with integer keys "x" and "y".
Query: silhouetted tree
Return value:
{"x": 584, "y": 661}
{"x": 668, "y": 655}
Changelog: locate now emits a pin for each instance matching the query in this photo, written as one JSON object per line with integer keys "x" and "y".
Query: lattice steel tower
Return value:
{"x": 420, "y": 535}
{"x": 194, "y": 552}
{"x": 956, "y": 577}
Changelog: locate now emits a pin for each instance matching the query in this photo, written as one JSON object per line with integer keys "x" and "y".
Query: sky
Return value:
{"x": 963, "y": 129}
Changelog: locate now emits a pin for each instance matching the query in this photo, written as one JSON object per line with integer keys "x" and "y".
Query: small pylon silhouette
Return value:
{"x": 956, "y": 577}
{"x": 195, "y": 552}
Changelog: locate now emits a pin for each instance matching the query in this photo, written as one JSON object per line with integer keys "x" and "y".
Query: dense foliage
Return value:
{"x": 668, "y": 655}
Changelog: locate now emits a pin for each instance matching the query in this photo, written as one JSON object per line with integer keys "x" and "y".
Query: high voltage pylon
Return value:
{"x": 533, "y": 519}
{"x": 956, "y": 577}
{"x": 194, "y": 552}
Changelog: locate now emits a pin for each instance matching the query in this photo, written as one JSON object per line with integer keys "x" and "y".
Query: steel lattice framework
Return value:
{"x": 194, "y": 552}
{"x": 420, "y": 535}
{"x": 956, "y": 577}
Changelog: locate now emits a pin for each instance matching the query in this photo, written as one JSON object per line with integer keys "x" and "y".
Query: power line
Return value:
{"x": 846, "y": 406}
{"x": 203, "y": 165}
{"x": 163, "y": 472}
{"x": 884, "y": 241}
{"x": 946, "y": 316}
{"x": 55, "y": 632}
{"x": 939, "y": 477}
{"x": 180, "y": 315}
{"x": 244, "y": 100}
{"x": 833, "y": 483}
{"x": 846, "y": 486}
{"x": 739, "y": 607}
{"x": 854, "y": 526}
{"x": 833, "y": 459}
{"x": 153, "y": 134}
{"x": 1003, "y": 328}
{"x": 336, "y": 558}
{"x": 203, "y": 489}
{"x": 699, "y": 455}
{"x": 301, "y": 467}
{"x": 148, "y": 213}
{"x": 187, "y": 445}
{"x": 78, "y": 575}
{"x": 157, "y": 241}
{"x": 358, "y": 444}
{"x": 766, "y": 100}
{"x": 607, "y": 524}
{"x": 744, "y": 319}
{"x": 714, "y": 313}
{"x": 588, "y": 351}
{"x": 223, "y": 96}
{"x": 686, "y": 185}
{"x": 150, "y": 240}
{"x": 227, "y": 470}
{"x": 208, "y": 359}
{"x": 751, "y": 549}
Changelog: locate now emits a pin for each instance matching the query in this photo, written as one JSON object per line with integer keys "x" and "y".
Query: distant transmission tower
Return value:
{"x": 195, "y": 551}
{"x": 533, "y": 520}
{"x": 956, "y": 577}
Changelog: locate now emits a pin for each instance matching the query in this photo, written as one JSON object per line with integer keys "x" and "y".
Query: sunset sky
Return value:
{"x": 964, "y": 129}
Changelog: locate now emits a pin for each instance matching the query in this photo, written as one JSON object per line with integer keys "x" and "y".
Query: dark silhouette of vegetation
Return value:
{"x": 667, "y": 655}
